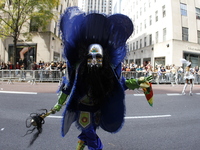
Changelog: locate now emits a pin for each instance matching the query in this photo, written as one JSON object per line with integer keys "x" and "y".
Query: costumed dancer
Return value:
{"x": 94, "y": 47}
{"x": 188, "y": 76}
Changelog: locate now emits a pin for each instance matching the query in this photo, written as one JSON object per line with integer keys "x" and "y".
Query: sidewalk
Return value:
{"x": 27, "y": 87}
{"x": 53, "y": 87}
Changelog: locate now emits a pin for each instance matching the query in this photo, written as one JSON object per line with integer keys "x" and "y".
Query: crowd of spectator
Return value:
{"x": 162, "y": 72}
{"x": 41, "y": 65}
{"x": 42, "y": 70}
{"x": 148, "y": 68}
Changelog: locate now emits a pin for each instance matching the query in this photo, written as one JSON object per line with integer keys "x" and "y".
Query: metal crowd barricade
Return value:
{"x": 160, "y": 78}
{"x": 197, "y": 78}
{"x": 48, "y": 75}
{"x": 33, "y": 76}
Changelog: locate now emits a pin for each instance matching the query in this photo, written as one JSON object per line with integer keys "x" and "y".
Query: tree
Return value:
{"x": 16, "y": 15}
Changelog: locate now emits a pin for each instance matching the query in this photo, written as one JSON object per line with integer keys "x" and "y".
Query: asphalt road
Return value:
{"x": 173, "y": 123}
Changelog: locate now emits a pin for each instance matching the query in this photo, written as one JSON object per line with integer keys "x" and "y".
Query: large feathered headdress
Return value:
{"x": 79, "y": 30}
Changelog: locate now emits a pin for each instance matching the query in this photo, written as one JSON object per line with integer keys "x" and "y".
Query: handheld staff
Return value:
{"x": 37, "y": 120}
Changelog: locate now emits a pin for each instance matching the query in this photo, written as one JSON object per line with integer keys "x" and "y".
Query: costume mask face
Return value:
{"x": 95, "y": 55}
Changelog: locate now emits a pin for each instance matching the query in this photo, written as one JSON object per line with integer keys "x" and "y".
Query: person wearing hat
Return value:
{"x": 188, "y": 76}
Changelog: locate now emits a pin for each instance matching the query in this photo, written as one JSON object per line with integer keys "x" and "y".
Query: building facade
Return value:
{"x": 164, "y": 31}
{"x": 43, "y": 45}
{"x": 100, "y": 6}
{"x": 116, "y": 6}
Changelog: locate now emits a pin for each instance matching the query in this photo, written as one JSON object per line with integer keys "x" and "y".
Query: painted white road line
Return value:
{"x": 198, "y": 93}
{"x": 138, "y": 94}
{"x": 135, "y": 117}
{"x": 173, "y": 94}
{"x": 57, "y": 117}
{"x": 145, "y": 117}
{"x": 15, "y": 92}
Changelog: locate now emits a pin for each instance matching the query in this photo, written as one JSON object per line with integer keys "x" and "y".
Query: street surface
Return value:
{"x": 173, "y": 123}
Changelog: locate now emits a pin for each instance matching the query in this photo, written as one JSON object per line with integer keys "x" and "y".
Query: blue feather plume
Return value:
{"x": 80, "y": 30}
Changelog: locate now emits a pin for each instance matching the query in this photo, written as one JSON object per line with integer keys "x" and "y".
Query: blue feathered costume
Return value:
{"x": 95, "y": 97}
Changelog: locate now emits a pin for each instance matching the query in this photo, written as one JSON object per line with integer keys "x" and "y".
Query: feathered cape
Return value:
{"x": 79, "y": 30}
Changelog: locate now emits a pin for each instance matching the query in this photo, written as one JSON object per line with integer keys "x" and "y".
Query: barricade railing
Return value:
{"x": 33, "y": 76}
{"x": 160, "y": 78}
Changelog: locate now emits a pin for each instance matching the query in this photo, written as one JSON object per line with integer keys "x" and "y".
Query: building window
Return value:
{"x": 164, "y": 34}
{"x": 133, "y": 18}
{"x": 140, "y": 27}
{"x": 34, "y": 26}
{"x": 150, "y": 20}
{"x": 131, "y": 48}
{"x": 163, "y": 11}
{"x": 133, "y": 45}
{"x": 183, "y": 9}
{"x": 10, "y": 2}
{"x": 137, "y": 15}
{"x": 29, "y": 55}
{"x": 57, "y": 7}
{"x": 140, "y": 43}
{"x": 157, "y": 37}
{"x": 150, "y": 39}
{"x": 184, "y": 34}
{"x": 156, "y": 16}
{"x": 55, "y": 28}
{"x": 133, "y": 34}
{"x": 198, "y": 36}
{"x": 136, "y": 29}
{"x": 145, "y": 24}
{"x": 145, "y": 41}
{"x": 61, "y": 9}
{"x": 56, "y": 56}
{"x": 198, "y": 13}
{"x": 136, "y": 44}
